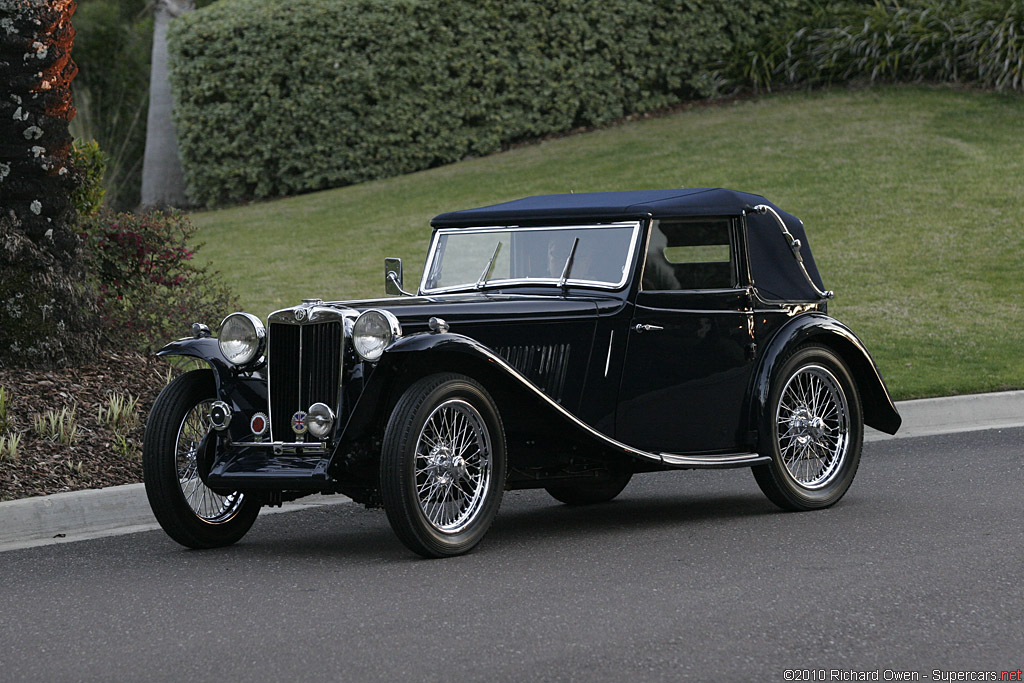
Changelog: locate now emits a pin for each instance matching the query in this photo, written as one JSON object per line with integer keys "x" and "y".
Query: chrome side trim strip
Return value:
{"x": 608, "y": 358}
{"x": 713, "y": 461}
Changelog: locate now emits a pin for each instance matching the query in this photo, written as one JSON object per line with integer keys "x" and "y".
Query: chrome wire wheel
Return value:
{"x": 813, "y": 426}
{"x": 452, "y": 466}
{"x": 442, "y": 465}
{"x": 207, "y": 505}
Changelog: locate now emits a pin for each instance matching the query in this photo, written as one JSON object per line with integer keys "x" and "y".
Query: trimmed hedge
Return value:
{"x": 279, "y": 98}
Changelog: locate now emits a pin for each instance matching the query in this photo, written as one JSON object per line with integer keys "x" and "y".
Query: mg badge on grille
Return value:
{"x": 300, "y": 314}
{"x": 299, "y": 422}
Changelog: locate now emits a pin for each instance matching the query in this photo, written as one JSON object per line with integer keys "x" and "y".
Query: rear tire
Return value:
{"x": 816, "y": 433}
{"x": 443, "y": 465}
{"x": 190, "y": 512}
{"x": 590, "y": 491}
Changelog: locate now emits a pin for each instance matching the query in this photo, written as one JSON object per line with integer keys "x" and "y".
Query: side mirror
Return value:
{"x": 393, "y": 277}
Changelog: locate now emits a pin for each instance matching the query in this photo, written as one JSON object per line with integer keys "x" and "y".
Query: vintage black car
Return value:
{"x": 563, "y": 342}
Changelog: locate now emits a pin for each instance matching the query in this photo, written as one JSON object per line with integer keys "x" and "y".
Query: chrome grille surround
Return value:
{"x": 305, "y": 353}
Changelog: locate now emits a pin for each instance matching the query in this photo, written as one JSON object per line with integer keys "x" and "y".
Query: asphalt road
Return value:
{"x": 686, "y": 576}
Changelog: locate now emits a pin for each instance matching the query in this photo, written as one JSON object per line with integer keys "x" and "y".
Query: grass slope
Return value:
{"x": 913, "y": 199}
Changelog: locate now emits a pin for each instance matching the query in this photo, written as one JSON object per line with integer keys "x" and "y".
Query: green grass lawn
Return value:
{"x": 913, "y": 198}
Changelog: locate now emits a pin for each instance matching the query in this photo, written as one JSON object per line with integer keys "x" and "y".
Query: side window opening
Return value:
{"x": 689, "y": 255}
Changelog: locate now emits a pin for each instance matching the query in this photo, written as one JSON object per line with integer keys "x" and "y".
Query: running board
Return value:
{"x": 710, "y": 462}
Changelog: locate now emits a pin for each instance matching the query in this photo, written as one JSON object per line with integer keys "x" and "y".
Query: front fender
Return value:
{"x": 403, "y": 361}
{"x": 205, "y": 349}
{"x": 879, "y": 410}
{"x": 245, "y": 393}
{"x": 523, "y": 402}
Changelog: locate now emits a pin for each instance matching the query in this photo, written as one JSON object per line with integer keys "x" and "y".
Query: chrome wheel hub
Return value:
{"x": 453, "y": 466}
{"x": 806, "y": 427}
{"x": 813, "y": 426}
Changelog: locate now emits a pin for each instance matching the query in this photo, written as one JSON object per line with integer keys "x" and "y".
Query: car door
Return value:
{"x": 690, "y": 345}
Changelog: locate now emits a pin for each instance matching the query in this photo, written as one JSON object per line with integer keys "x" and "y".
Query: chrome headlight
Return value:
{"x": 241, "y": 338}
{"x": 373, "y": 332}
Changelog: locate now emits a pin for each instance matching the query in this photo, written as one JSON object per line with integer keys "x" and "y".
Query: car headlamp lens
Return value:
{"x": 373, "y": 331}
{"x": 241, "y": 338}
{"x": 319, "y": 420}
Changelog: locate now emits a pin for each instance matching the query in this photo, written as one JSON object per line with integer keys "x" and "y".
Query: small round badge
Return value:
{"x": 258, "y": 424}
{"x": 299, "y": 422}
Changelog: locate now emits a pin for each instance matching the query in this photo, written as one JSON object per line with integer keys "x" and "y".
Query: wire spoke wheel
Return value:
{"x": 453, "y": 465}
{"x": 813, "y": 431}
{"x": 189, "y": 511}
{"x": 813, "y": 422}
{"x": 207, "y": 505}
{"x": 442, "y": 466}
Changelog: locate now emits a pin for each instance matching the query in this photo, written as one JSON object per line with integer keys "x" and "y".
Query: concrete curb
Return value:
{"x": 80, "y": 515}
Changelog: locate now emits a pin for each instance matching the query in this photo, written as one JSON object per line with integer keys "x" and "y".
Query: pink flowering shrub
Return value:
{"x": 150, "y": 288}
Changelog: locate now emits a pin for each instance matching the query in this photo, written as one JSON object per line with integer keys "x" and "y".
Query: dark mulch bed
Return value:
{"x": 94, "y": 459}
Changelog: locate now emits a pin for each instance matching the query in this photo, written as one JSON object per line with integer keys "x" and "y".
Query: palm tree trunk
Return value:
{"x": 163, "y": 178}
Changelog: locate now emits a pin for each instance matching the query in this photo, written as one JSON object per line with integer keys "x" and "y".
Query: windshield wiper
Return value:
{"x": 568, "y": 263}
{"x": 484, "y": 276}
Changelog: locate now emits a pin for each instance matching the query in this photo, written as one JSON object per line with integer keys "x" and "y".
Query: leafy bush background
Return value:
{"x": 149, "y": 288}
{"x": 279, "y": 98}
{"x": 978, "y": 42}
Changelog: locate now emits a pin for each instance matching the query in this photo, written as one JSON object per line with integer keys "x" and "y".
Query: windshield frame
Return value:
{"x": 554, "y": 281}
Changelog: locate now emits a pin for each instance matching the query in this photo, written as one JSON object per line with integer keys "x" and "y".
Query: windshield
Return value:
{"x": 469, "y": 258}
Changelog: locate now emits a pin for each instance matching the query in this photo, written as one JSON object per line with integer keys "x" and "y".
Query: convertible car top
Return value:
{"x": 772, "y": 267}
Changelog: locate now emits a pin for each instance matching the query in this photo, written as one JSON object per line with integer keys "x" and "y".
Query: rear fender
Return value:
{"x": 879, "y": 410}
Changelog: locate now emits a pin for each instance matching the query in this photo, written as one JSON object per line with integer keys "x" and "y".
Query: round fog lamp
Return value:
{"x": 241, "y": 338}
{"x": 373, "y": 331}
{"x": 220, "y": 415}
{"x": 319, "y": 420}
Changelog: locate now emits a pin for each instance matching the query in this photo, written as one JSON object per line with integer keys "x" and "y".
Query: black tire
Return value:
{"x": 468, "y": 463}
{"x": 815, "y": 445}
{"x": 590, "y": 491}
{"x": 190, "y": 513}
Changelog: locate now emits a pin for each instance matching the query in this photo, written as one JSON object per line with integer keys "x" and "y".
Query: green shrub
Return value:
{"x": 278, "y": 98}
{"x": 959, "y": 41}
{"x": 91, "y": 162}
{"x": 150, "y": 290}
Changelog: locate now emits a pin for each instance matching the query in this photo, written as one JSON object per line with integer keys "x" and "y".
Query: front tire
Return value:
{"x": 190, "y": 512}
{"x": 816, "y": 433}
{"x": 443, "y": 465}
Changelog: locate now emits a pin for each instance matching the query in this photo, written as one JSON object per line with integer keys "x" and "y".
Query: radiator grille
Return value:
{"x": 305, "y": 368}
{"x": 543, "y": 364}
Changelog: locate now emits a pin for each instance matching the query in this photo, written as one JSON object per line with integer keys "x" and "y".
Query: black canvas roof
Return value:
{"x": 775, "y": 272}
{"x": 605, "y": 206}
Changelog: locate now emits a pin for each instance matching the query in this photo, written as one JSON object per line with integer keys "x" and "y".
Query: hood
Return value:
{"x": 481, "y": 307}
